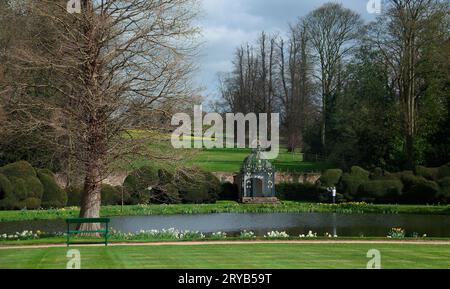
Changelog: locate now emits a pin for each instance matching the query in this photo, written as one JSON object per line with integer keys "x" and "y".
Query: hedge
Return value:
{"x": 228, "y": 192}
{"x": 428, "y": 173}
{"x": 25, "y": 190}
{"x": 444, "y": 171}
{"x": 330, "y": 178}
{"x": 53, "y": 196}
{"x": 111, "y": 195}
{"x": 196, "y": 186}
{"x": 380, "y": 191}
{"x": 421, "y": 192}
{"x": 138, "y": 183}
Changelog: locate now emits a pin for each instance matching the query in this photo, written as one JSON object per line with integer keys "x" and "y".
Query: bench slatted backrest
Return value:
{"x": 87, "y": 220}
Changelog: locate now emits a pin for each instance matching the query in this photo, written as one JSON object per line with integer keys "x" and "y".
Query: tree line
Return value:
{"x": 373, "y": 94}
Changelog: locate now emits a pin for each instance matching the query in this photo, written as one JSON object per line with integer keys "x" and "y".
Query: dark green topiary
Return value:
{"x": 74, "y": 194}
{"x": 359, "y": 172}
{"x": 350, "y": 184}
{"x": 139, "y": 184}
{"x": 229, "y": 192}
{"x": 428, "y": 173}
{"x": 444, "y": 171}
{"x": 53, "y": 196}
{"x": 196, "y": 186}
{"x": 18, "y": 169}
{"x": 7, "y": 198}
{"x": 330, "y": 178}
{"x": 444, "y": 195}
{"x": 380, "y": 191}
{"x": 30, "y": 204}
{"x": 298, "y": 192}
{"x": 165, "y": 177}
{"x": 6, "y": 188}
{"x": 25, "y": 185}
{"x": 111, "y": 195}
{"x": 166, "y": 194}
{"x": 421, "y": 192}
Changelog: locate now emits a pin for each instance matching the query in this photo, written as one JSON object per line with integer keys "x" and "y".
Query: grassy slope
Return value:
{"x": 228, "y": 207}
{"x": 260, "y": 256}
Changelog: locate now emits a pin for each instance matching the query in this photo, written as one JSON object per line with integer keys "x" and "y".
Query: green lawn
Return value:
{"x": 226, "y": 160}
{"x": 230, "y": 160}
{"x": 238, "y": 256}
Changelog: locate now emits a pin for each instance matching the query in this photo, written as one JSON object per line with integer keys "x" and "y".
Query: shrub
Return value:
{"x": 165, "y": 177}
{"x": 444, "y": 195}
{"x": 166, "y": 194}
{"x": 25, "y": 185}
{"x": 229, "y": 192}
{"x": 444, "y": 171}
{"x": 111, "y": 195}
{"x": 422, "y": 191}
{"x": 330, "y": 178}
{"x": 139, "y": 183}
{"x": 6, "y": 187}
{"x": 298, "y": 192}
{"x": 196, "y": 186}
{"x": 349, "y": 185}
{"x": 427, "y": 173}
{"x": 53, "y": 196}
{"x": 380, "y": 191}
{"x": 407, "y": 178}
{"x": 7, "y": 198}
{"x": 74, "y": 194}
{"x": 30, "y": 204}
{"x": 18, "y": 169}
{"x": 359, "y": 172}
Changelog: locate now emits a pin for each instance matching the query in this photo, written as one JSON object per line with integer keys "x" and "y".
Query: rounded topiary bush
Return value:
{"x": 30, "y": 204}
{"x": 111, "y": 195}
{"x": 74, "y": 194}
{"x": 165, "y": 194}
{"x": 298, "y": 192}
{"x": 380, "y": 191}
{"x": 349, "y": 185}
{"x": 53, "y": 196}
{"x": 25, "y": 185}
{"x": 421, "y": 192}
{"x": 139, "y": 184}
{"x": 359, "y": 172}
{"x": 444, "y": 195}
{"x": 444, "y": 171}
{"x": 196, "y": 186}
{"x": 165, "y": 177}
{"x": 330, "y": 178}
{"x": 229, "y": 192}
{"x": 427, "y": 173}
{"x": 18, "y": 169}
{"x": 7, "y": 199}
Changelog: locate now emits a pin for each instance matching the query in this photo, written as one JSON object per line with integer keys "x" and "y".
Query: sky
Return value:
{"x": 227, "y": 24}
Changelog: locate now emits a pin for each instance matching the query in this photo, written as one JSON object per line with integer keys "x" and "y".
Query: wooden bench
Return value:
{"x": 79, "y": 221}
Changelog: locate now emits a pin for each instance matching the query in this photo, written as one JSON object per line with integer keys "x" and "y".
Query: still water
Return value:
{"x": 348, "y": 225}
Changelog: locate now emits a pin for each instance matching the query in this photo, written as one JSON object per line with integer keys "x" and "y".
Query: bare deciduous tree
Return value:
{"x": 114, "y": 65}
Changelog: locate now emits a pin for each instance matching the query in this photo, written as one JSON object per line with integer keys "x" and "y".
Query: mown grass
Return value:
{"x": 236, "y": 256}
{"x": 228, "y": 207}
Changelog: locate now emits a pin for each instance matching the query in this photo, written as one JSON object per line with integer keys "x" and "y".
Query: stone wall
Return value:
{"x": 280, "y": 177}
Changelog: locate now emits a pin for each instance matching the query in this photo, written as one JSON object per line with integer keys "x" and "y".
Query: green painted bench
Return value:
{"x": 79, "y": 221}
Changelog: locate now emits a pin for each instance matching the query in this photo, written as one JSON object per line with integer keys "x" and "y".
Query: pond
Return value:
{"x": 348, "y": 225}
